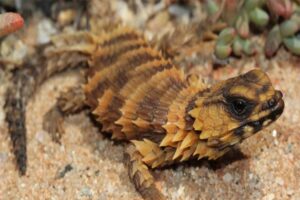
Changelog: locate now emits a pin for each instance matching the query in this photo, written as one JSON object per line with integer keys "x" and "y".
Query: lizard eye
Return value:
{"x": 240, "y": 107}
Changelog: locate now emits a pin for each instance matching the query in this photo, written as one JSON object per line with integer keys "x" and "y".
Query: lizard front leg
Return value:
{"x": 140, "y": 175}
{"x": 69, "y": 102}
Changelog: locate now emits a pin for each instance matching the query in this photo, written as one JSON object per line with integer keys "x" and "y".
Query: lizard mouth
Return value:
{"x": 277, "y": 110}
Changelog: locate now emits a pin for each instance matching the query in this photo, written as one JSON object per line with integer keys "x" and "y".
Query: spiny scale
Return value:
{"x": 138, "y": 95}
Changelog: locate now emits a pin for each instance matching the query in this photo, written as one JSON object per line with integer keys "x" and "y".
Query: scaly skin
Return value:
{"x": 168, "y": 118}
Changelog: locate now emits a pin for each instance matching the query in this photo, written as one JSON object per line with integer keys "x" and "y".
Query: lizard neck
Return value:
{"x": 181, "y": 135}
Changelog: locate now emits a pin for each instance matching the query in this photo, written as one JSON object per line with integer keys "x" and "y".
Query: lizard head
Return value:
{"x": 235, "y": 109}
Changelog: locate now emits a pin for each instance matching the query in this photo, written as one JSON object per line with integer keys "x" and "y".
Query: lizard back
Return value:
{"x": 133, "y": 90}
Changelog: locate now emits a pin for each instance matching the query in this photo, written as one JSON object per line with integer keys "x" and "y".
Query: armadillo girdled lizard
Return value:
{"x": 140, "y": 97}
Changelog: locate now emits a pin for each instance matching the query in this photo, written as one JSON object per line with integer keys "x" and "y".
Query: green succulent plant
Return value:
{"x": 279, "y": 18}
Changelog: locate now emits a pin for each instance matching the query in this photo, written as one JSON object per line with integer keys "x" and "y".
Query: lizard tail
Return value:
{"x": 66, "y": 51}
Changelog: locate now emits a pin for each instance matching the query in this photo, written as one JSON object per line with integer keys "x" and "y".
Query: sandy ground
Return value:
{"x": 89, "y": 166}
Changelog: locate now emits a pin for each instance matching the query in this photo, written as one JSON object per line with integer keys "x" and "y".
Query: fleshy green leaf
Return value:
{"x": 212, "y": 7}
{"x": 237, "y": 46}
{"x": 273, "y": 42}
{"x": 288, "y": 28}
{"x": 226, "y": 36}
{"x": 223, "y": 51}
{"x": 248, "y": 48}
{"x": 293, "y": 44}
{"x": 251, "y": 4}
{"x": 259, "y": 17}
{"x": 242, "y": 25}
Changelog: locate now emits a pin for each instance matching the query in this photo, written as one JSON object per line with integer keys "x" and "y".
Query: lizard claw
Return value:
{"x": 53, "y": 124}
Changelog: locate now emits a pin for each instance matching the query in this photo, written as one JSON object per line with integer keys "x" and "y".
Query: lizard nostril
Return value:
{"x": 278, "y": 94}
{"x": 271, "y": 102}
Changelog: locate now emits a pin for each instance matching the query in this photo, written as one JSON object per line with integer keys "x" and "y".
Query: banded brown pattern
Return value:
{"x": 131, "y": 86}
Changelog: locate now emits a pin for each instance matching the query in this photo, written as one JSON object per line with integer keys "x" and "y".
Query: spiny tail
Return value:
{"x": 65, "y": 51}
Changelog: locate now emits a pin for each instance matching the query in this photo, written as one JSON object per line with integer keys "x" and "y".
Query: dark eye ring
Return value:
{"x": 239, "y": 106}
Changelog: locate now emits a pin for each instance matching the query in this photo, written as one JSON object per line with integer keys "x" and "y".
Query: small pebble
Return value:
{"x": 227, "y": 177}
{"x": 3, "y": 157}
{"x": 269, "y": 197}
{"x": 250, "y": 176}
{"x": 180, "y": 190}
{"x": 46, "y": 28}
{"x": 256, "y": 195}
{"x": 66, "y": 17}
{"x": 179, "y": 11}
{"x": 41, "y": 136}
{"x": 13, "y": 49}
{"x": 274, "y": 133}
{"x": 289, "y": 148}
{"x": 179, "y": 193}
{"x": 63, "y": 172}
{"x": 86, "y": 191}
{"x": 290, "y": 192}
{"x": 279, "y": 181}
